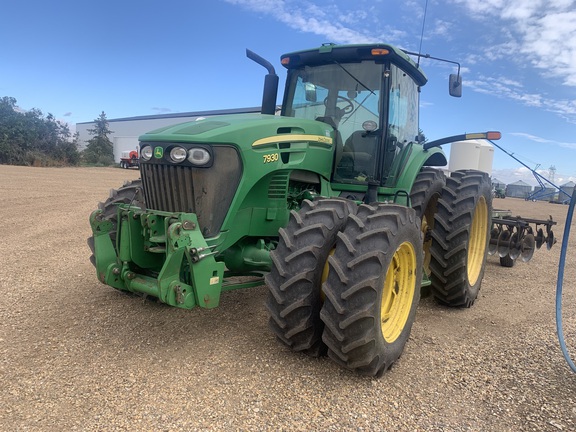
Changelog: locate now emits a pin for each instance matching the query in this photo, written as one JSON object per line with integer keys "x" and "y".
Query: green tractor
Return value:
{"x": 336, "y": 201}
{"x": 499, "y": 193}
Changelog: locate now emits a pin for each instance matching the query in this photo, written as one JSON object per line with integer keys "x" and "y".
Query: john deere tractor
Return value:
{"x": 338, "y": 201}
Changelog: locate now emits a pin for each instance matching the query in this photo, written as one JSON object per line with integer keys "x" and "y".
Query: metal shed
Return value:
{"x": 519, "y": 189}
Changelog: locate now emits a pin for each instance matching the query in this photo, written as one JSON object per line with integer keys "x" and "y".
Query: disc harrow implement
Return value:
{"x": 515, "y": 237}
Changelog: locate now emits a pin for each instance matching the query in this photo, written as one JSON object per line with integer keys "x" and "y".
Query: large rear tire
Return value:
{"x": 460, "y": 238}
{"x": 130, "y": 192}
{"x": 298, "y": 269}
{"x": 424, "y": 196}
{"x": 373, "y": 288}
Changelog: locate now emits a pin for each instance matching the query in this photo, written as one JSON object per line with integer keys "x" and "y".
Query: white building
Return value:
{"x": 125, "y": 131}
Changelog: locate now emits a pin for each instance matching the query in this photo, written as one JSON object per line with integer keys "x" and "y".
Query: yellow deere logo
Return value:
{"x": 158, "y": 152}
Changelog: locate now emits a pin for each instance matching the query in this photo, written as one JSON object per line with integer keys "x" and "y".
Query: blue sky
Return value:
{"x": 126, "y": 58}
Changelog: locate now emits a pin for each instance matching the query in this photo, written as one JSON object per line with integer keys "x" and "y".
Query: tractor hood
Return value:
{"x": 243, "y": 130}
{"x": 245, "y": 164}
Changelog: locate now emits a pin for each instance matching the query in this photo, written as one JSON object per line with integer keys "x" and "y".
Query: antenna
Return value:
{"x": 422, "y": 33}
{"x": 455, "y": 83}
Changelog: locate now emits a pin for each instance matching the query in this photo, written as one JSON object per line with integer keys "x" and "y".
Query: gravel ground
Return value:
{"x": 78, "y": 355}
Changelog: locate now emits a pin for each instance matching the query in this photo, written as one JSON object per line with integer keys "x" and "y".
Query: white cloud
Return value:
{"x": 504, "y": 87}
{"x": 570, "y": 145}
{"x": 531, "y": 33}
{"x": 308, "y": 17}
{"x": 440, "y": 28}
{"x": 511, "y": 175}
{"x": 540, "y": 30}
{"x": 536, "y": 33}
{"x": 511, "y": 89}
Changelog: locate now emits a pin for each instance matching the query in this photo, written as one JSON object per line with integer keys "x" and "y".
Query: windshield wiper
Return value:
{"x": 359, "y": 82}
{"x": 354, "y": 78}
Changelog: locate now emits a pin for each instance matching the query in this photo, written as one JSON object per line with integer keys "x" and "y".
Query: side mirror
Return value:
{"x": 455, "y": 88}
{"x": 310, "y": 90}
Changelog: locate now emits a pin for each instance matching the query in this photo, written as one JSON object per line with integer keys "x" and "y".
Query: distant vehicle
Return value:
{"x": 129, "y": 159}
{"x": 499, "y": 193}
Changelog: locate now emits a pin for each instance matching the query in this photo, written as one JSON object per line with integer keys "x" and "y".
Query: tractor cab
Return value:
{"x": 368, "y": 94}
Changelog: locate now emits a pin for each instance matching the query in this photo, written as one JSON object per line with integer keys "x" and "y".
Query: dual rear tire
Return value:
{"x": 373, "y": 288}
{"x": 460, "y": 238}
{"x": 299, "y": 265}
{"x": 346, "y": 280}
{"x": 456, "y": 215}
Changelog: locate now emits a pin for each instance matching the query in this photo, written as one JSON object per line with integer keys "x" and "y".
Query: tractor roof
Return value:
{"x": 331, "y": 53}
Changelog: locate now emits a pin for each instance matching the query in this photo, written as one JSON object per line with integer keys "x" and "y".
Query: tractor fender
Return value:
{"x": 416, "y": 160}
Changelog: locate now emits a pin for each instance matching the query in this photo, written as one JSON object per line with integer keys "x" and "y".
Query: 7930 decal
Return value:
{"x": 272, "y": 157}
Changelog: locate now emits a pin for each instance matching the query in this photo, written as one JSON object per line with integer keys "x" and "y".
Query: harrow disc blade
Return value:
{"x": 493, "y": 244}
{"x": 550, "y": 240}
{"x": 504, "y": 243}
{"x": 527, "y": 246}
{"x": 515, "y": 246}
{"x": 539, "y": 238}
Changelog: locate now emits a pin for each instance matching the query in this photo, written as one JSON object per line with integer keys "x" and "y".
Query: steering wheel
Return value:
{"x": 347, "y": 109}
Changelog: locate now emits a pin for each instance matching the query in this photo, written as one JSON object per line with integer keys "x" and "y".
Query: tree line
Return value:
{"x": 31, "y": 138}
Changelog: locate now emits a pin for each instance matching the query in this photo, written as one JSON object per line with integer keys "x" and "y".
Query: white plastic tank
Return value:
{"x": 486, "y": 157}
{"x": 471, "y": 154}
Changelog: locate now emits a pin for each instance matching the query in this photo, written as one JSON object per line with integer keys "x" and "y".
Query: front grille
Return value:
{"x": 207, "y": 192}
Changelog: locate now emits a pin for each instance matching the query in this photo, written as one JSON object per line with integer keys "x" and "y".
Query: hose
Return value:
{"x": 559, "y": 284}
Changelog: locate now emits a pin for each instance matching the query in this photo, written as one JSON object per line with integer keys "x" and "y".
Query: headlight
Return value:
{"x": 198, "y": 156}
{"x": 146, "y": 153}
{"x": 178, "y": 154}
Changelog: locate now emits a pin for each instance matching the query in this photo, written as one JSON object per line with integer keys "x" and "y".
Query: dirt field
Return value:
{"x": 78, "y": 355}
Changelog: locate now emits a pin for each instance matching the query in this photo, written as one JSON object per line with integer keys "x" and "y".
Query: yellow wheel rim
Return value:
{"x": 398, "y": 292}
{"x": 428, "y": 225}
{"x": 325, "y": 275}
{"x": 477, "y": 243}
{"x": 426, "y": 246}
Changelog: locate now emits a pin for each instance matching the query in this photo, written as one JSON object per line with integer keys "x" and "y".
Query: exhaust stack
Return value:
{"x": 270, "y": 84}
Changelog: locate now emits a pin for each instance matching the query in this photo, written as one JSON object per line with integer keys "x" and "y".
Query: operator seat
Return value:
{"x": 361, "y": 147}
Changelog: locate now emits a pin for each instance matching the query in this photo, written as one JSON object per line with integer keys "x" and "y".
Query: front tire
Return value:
{"x": 130, "y": 192}
{"x": 298, "y": 264}
{"x": 460, "y": 238}
{"x": 373, "y": 288}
